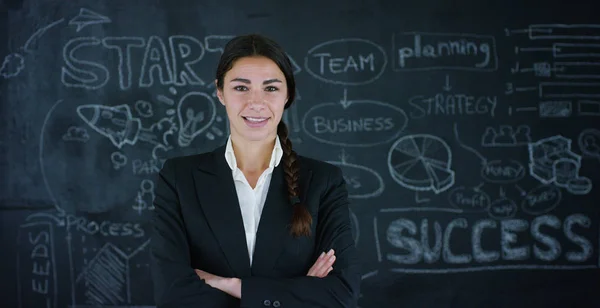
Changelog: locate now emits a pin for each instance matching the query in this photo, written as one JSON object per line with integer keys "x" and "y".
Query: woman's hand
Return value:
{"x": 231, "y": 286}
{"x": 323, "y": 265}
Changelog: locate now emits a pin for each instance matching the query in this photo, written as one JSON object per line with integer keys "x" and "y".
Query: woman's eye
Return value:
{"x": 271, "y": 89}
{"x": 240, "y": 88}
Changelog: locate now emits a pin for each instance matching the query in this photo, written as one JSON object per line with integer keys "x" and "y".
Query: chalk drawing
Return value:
{"x": 87, "y": 17}
{"x": 196, "y": 111}
{"x": 421, "y": 162}
{"x": 118, "y": 159}
{"x": 14, "y": 63}
{"x": 106, "y": 279}
{"x": 362, "y": 182}
{"x": 76, "y": 133}
{"x": 552, "y": 161}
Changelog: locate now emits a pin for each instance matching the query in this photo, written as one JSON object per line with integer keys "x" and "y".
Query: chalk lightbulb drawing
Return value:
{"x": 196, "y": 112}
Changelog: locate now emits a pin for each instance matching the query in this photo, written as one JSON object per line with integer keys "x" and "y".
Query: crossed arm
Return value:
{"x": 176, "y": 284}
{"x": 233, "y": 286}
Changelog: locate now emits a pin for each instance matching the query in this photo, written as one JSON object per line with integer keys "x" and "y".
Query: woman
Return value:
{"x": 253, "y": 224}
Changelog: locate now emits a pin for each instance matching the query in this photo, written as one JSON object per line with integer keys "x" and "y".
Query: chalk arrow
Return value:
{"x": 344, "y": 101}
{"x": 447, "y": 87}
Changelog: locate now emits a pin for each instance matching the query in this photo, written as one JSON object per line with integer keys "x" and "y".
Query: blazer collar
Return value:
{"x": 217, "y": 196}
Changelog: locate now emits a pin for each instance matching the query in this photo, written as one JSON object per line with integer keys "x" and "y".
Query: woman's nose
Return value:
{"x": 256, "y": 100}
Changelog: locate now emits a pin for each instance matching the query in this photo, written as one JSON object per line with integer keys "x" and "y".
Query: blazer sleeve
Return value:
{"x": 176, "y": 284}
{"x": 341, "y": 287}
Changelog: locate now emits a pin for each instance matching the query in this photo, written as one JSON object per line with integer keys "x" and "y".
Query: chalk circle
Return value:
{"x": 147, "y": 186}
{"x": 541, "y": 200}
{"x": 579, "y": 186}
{"x": 502, "y": 208}
{"x": 589, "y": 142}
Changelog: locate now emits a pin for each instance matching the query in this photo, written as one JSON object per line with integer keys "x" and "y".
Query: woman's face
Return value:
{"x": 254, "y": 95}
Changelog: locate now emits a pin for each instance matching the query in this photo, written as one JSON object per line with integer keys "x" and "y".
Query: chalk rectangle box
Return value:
{"x": 425, "y": 51}
{"x": 569, "y": 89}
{"x": 563, "y": 31}
{"x": 36, "y": 266}
{"x": 564, "y": 50}
{"x": 577, "y": 70}
{"x": 555, "y": 109}
{"x": 589, "y": 108}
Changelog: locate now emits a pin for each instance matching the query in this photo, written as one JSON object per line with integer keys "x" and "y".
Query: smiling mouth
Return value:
{"x": 255, "y": 119}
{"x": 256, "y": 122}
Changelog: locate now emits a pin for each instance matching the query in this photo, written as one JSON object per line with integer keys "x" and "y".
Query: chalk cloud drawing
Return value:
{"x": 106, "y": 279}
{"x": 196, "y": 111}
{"x": 75, "y": 133}
{"x": 506, "y": 136}
{"x": 87, "y": 17}
{"x": 362, "y": 182}
{"x": 551, "y": 161}
{"x": 421, "y": 162}
{"x": 14, "y": 63}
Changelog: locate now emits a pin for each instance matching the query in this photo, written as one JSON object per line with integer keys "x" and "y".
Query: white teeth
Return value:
{"x": 255, "y": 119}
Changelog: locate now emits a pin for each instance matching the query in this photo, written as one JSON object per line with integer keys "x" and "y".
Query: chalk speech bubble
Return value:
{"x": 469, "y": 199}
{"x": 502, "y": 208}
{"x": 541, "y": 200}
{"x": 503, "y": 171}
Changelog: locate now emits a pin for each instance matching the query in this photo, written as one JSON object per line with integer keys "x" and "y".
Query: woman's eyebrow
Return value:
{"x": 247, "y": 81}
{"x": 269, "y": 81}
{"x": 244, "y": 80}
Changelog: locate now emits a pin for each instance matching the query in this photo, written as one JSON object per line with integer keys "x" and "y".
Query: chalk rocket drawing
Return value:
{"x": 121, "y": 128}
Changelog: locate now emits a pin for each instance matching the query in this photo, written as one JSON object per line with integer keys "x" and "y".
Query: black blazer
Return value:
{"x": 197, "y": 224}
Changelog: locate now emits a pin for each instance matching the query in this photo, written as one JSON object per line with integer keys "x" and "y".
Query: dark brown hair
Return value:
{"x": 258, "y": 45}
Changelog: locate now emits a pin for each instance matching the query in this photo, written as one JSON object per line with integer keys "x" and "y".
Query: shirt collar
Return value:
{"x": 276, "y": 154}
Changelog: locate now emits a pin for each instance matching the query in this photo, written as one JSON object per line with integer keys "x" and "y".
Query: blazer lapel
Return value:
{"x": 275, "y": 219}
{"x": 218, "y": 198}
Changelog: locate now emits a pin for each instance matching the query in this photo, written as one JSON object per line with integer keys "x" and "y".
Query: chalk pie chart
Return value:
{"x": 421, "y": 163}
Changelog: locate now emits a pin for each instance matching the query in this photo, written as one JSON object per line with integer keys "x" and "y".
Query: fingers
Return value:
{"x": 323, "y": 265}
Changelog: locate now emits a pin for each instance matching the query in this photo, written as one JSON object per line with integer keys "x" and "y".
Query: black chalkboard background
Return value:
{"x": 468, "y": 134}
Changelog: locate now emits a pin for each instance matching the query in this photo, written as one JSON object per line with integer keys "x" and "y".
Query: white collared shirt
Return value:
{"x": 251, "y": 200}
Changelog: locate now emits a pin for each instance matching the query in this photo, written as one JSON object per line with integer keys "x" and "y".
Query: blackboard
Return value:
{"x": 468, "y": 134}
